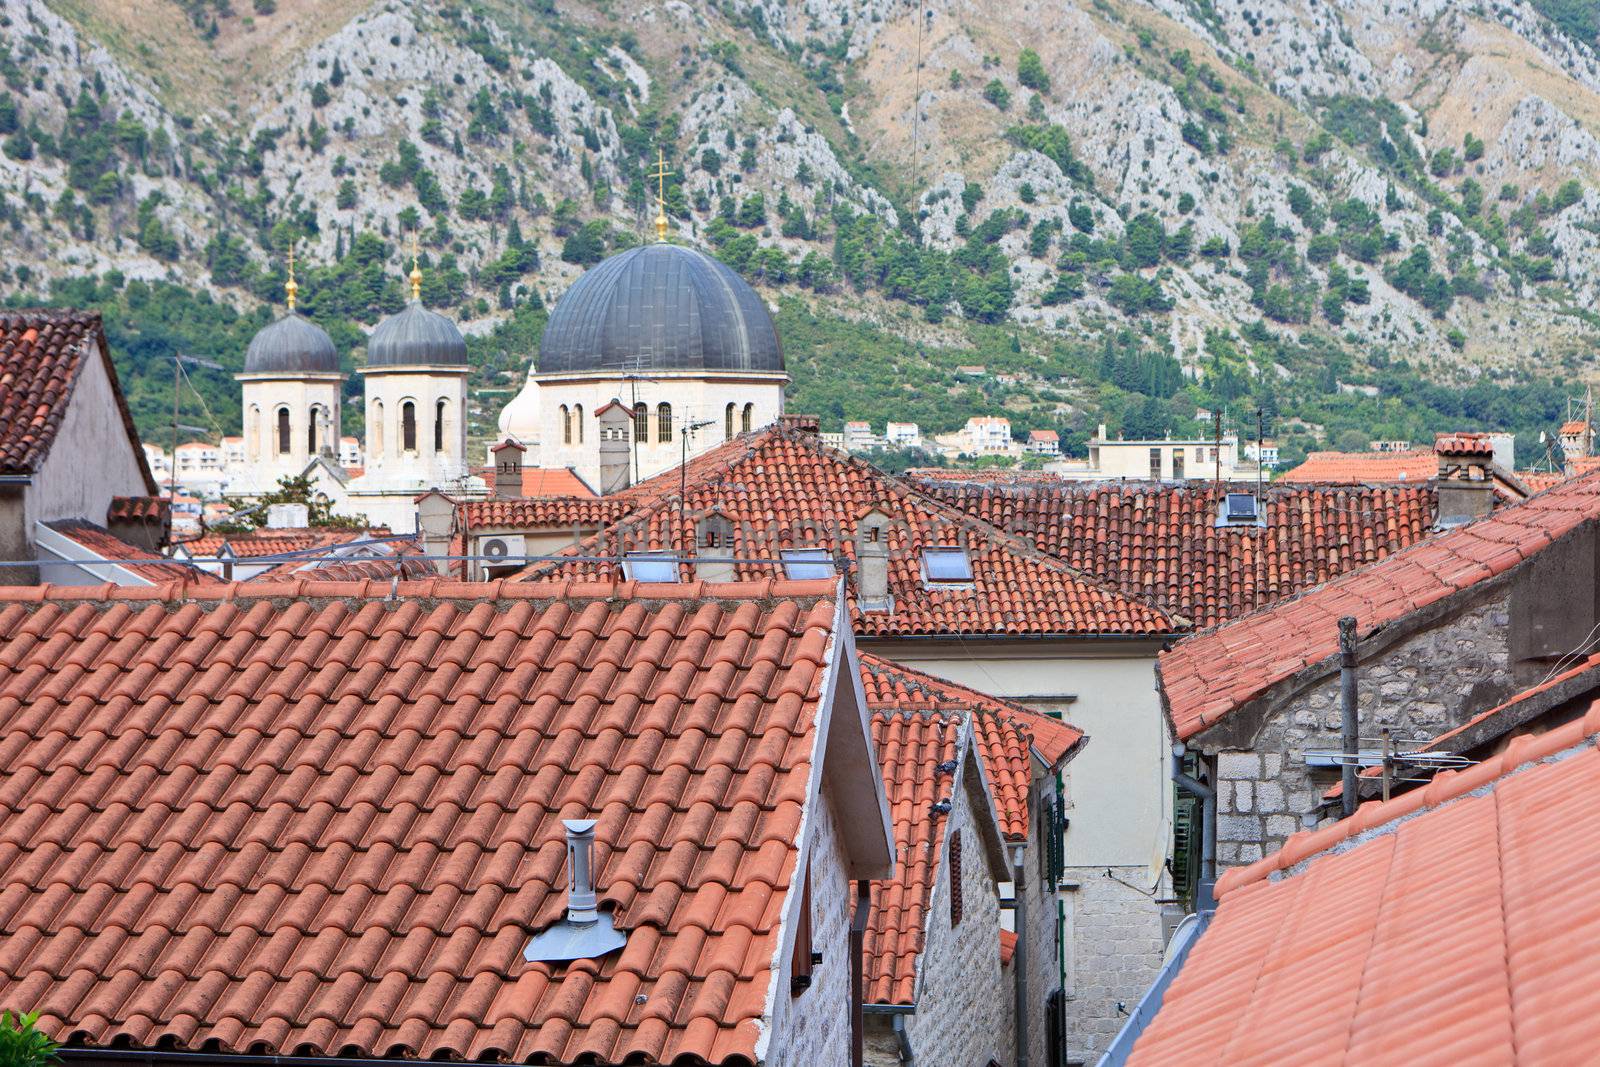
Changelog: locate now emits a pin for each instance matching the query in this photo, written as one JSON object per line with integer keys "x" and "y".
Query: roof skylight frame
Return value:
{"x": 1240, "y": 509}
{"x": 808, "y": 564}
{"x": 947, "y": 567}
{"x": 660, "y": 568}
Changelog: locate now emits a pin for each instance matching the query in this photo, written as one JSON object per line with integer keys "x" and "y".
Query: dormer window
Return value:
{"x": 650, "y": 567}
{"x": 946, "y": 568}
{"x": 807, "y": 564}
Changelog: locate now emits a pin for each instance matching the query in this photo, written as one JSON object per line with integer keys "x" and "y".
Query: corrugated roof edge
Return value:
{"x": 1377, "y": 817}
{"x": 428, "y": 590}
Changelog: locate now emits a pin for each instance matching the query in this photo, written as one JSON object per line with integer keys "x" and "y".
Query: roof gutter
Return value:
{"x": 16, "y": 479}
{"x": 1183, "y": 939}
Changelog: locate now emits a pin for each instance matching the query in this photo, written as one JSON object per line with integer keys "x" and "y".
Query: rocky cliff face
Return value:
{"x": 1411, "y": 177}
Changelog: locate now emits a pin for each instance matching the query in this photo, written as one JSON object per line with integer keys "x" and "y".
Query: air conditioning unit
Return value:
{"x": 503, "y": 547}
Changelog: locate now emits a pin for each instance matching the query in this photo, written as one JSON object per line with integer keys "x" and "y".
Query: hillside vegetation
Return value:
{"x": 1360, "y": 220}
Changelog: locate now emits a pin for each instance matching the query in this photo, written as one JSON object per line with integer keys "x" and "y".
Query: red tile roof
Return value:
{"x": 1161, "y": 542}
{"x": 918, "y": 722}
{"x": 542, "y": 481}
{"x": 330, "y": 826}
{"x": 783, "y": 489}
{"x": 1008, "y": 947}
{"x": 154, "y": 509}
{"x": 99, "y": 543}
{"x": 1456, "y": 924}
{"x": 1572, "y": 426}
{"x": 388, "y": 559}
{"x": 1356, "y": 468}
{"x": 253, "y": 544}
{"x": 1469, "y": 444}
{"x": 539, "y": 513}
{"x": 1209, "y": 675}
{"x": 42, "y": 354}
{"x": 1537, "y": 481}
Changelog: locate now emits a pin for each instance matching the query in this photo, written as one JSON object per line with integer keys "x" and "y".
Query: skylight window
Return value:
{"x": 807, "y": 564}
{"x": 1240, "y": 509}
{"x": 650, "y": 567}
{"x": 946, "y": 567}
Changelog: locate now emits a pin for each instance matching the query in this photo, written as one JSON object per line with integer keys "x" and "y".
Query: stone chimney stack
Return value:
{"x": 616, "y": 450}
{"x": 872, "y": 562}
{"x": 436, "y": 522}
{"x": 1465, "y": 484}
{"x": 508, "y": 470}
{"x": 713, "y": 539}
{"x": 810, "y": 424}
{"x": 1577, "y": 441}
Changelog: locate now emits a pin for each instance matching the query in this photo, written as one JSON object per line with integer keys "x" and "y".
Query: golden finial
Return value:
{"x": 660, "y": 176}
{"x": 416, "y": 272}
{"x": 289, "y": 287}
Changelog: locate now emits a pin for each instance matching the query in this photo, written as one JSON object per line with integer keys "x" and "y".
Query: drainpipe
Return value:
{"x": 1205, "y": 895}
{"x": 1019, "y": 961}
{"x": 904, "y": 1040}
{"x": 1350, "y": 741}
{"x": 858, "y": 963}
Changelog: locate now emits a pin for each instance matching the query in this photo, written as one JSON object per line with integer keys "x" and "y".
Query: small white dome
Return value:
{"x": 519, "y": 419}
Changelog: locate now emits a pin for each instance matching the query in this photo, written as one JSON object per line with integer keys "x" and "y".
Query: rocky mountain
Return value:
{"x": 1370, "y": 218}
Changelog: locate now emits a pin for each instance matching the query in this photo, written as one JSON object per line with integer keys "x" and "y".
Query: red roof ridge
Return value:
{"x": 1376, "y": 817}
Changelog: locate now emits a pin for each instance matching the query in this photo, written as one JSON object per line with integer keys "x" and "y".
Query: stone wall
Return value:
{"x": 813, "y": 1028}
{"x": 1420, "y": 687}
{"x": 964, "y": 1015}
{"x": 1041, "y": 957}
{"x": 1115, "y": 942}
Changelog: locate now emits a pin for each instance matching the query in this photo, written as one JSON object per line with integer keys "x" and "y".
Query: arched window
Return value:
{"x": 641, "y": 422}
{"x": 408, "y": 426}
{"x": 749, "y": 417}
{"x": 566, "y": 425}
{"x": 727, "y": 422}
{"x": 438, "y": 426}
{"x": 315, "y": 437}
{"x": 664, "y": 423}
{"x": 252, "y": 432}
{"x": 577, "y": 417}
{"x": 283, "y": 432}
{"x": 375, "y": 430}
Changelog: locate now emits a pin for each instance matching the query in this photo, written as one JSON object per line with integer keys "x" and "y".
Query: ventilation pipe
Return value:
{"x": 1349, "y": 720}
{"x": 585, "y": 933}
{"x": 580, "y": 862}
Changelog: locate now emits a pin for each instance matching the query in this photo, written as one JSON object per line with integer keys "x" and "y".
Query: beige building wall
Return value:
{"x": 263, "y": 396}
{"x": 92, "y": 459}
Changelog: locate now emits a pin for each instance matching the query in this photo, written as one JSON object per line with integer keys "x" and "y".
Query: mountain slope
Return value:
{"x": 1284, "y": 203}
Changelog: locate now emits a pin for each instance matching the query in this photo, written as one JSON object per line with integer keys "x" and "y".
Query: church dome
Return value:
{"x": 416, "y": 336}
{"x": 292, "y": 345}
{"x": 660, "y": 307}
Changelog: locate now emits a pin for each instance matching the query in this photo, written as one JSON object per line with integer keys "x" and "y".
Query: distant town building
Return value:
{"x": 1043, "y": 443}
{"x": 1263, "y": 452}
{"x": 973, "y": 370}
{"x": 198, "y": 459}
{"x": 858, "y": 437}
{"x": 349, "y": 452}
{"x": 232, "y": 451}
{"x": 903, "y": 435}
{"x": 1165, "y": 459}
{"x": 833, "y": 440}
{"x": 156, "y": 457}
{"x": 1389, "y": 446}
{"x": 988, "y": 435}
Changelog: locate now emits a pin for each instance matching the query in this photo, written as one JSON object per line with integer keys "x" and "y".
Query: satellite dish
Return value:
{"x": 1542, "y": 437}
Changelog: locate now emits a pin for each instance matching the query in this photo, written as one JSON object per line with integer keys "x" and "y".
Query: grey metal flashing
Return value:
{"x": 1184, "y": 939}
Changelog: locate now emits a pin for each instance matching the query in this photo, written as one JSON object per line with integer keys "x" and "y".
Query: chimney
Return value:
{"x": 713, "y": 537}
{"x": 1577, "y": 441}
{"x": 810, "y": 424}
{"x": 1465, "y": 483}
{"x": 580, "y": 866}
{"x": 436, "y": 524}
{"x": 508, "y": 470}
{"x": 872, "y": 562}
{"x": 288, "y": 516}
{"x": 616, "y": 453}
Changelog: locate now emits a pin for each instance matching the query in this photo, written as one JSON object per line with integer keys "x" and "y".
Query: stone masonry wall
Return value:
{"x": 1421, "y": 687}
{"x": 813, "y": 1029}
{"x": 1042, "y": 962}
{"x": 964, "y": 997}
{"x": 1115, "y": 944}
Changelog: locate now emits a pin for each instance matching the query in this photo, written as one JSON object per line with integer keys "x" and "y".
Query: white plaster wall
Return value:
{"x": 694, "y": 398}
{"x": 813, "y": 1029}
{"x": 92, "y": 459}
{"x": 423, "y": 467}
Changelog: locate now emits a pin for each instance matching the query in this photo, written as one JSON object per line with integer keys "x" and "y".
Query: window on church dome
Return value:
{"x": 283, "y": 432}
{"x": 749, "y": 417}
{"x": 664, "y": 423}
{"x": 566, "y": 425}
{"x": 438, "y": 426}
{"x": 727, "y": 420}
{"x": 641, "y": 422}
{"x": 408, "y": 426}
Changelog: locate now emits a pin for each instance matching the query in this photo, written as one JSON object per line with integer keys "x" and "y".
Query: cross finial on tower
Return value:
{"x": 660, "y": 176}
{"x": 289, "y": 287}
{"x": 416, "y": 272}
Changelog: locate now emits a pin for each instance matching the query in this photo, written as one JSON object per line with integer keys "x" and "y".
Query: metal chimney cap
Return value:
{"x": 579, "y": 826}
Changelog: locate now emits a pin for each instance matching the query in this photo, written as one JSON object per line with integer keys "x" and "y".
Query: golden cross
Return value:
{"x": 290, "y": 287}
{"x": 660, "y": 175}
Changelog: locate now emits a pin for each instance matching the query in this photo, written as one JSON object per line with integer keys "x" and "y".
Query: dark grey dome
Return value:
{"x": 292, "y": 345}
{"x": 660, "y": 307}
{"x": 416, "y": 335}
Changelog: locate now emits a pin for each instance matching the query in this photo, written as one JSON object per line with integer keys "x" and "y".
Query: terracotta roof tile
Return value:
{"x": 545, "y": 481}
{"x": 254, "y": 544}
{"x": 1161, "y": 542}
{"x": 1205, "y": 677}
{"x": 1355, "y": 468}
{"x": 308, "y": 818}
{"x": 100, "y": 543}
{"x": 783, "y": 489}
{"x": 42, "y": 354}
{"x": 139, "y": 509}
{"x": 1455, "y": 924}
{"x": 1008, "y": 947}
